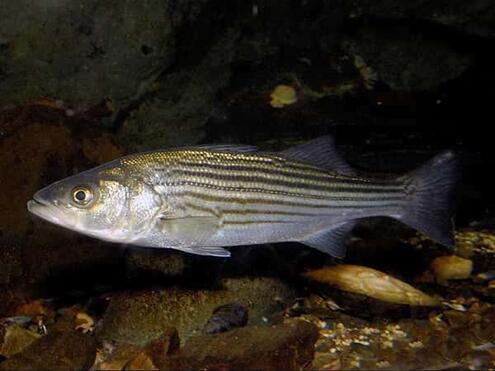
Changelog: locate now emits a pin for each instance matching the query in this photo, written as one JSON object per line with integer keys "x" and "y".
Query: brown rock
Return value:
{"x": 55, "y": 351}
{"x": 451, "y": 267}
{"x": 40, "y": 146}
{"x": 281, "y": 347}
{"x": 26, "y": 154}
{"x": 101, "y": 149}
{"x": 36, "y": 309}
{"x": 15, "y": 339}
{"x": 141, "y": 362}
{"x": 116, "y": 357}
{"x": 139, "y": 318}
{"x": 165, "y": 345}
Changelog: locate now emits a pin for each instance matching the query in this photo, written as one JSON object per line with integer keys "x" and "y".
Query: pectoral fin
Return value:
{"x": 330, "y": 241}
{"x": 188, "y": 231}
{"x": 189, "y": 234}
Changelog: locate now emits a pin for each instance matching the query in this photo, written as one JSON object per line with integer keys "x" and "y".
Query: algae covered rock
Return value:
{"x": 140, "y": 317}
{"x": 14, "y": 339}
{"x": 55, "y": 351}
{"x": 183, "y": 100}
{"x": 475, "y": 17}
{"x": 82, "y": 51}
{"x": 408, "y": 61}
{"x": 155, "y": 262}
{"x": 115, "y": 357}
{"x": 280, "y": 347}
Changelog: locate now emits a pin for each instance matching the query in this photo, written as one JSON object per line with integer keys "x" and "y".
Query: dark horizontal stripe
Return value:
{"x": 292, "y": 183}
{"x": 201, "y": 158}
{"x": 261, "y": 201}
{"x": 248, "y": 211}
{"x": 327, "y": 197}
{"x": 247, "y": 222}
{"x": 319, "y": 175}
{"x": 257, "y": 159}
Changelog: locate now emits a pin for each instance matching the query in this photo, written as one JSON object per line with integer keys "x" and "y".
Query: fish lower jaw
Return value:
{"x": 42, "y": 211}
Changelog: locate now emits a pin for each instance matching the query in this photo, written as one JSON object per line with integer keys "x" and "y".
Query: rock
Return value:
{"x": 283, "y": 95}
{"x": 87, "y": 51}
{"x": 27, "y": 155}
{"x": 115, "y": 357}
{"x": 15, "y": 339}
{"x": 55, "y": 351}
{"x": 372, "y": 283}
{"x": 451, "y": 267}
{"x": 141, "y": 362}
{"x": 37, "y": 310}
{"x": 280, "y": 347}
{"x": 40, "y": 149}
{"x": 183, "y": 102}
{"x": 159, "y": 263}
{"x": 476, "y": 17}
{"x": 11, "y": 263}
{"x": 166, "y": 344}
{"x": 226, "y": 317}
{"x": 84, "y": 322}
{"x": 101, "y": 149}
{"x": 407, "y": 61}
{"x": 140, "y": 317}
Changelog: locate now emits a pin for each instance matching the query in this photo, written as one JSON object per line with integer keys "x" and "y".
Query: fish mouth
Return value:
{"x": 37, "y": 203}
{"x": 43, "y": 209}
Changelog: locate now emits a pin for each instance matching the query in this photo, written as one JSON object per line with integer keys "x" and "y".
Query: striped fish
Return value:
{"x": 205, "y": 198}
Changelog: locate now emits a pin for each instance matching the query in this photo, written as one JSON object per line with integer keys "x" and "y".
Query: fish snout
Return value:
{"x": 42, "y": 196}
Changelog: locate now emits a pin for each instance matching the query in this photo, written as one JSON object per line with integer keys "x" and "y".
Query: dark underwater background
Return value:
{"x": 395, "y": 82}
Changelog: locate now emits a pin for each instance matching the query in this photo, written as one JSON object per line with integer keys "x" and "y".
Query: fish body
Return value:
{"x": 205, "y": 198}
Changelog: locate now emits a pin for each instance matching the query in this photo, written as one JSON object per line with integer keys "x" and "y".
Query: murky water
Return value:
{"x": 83, "y": 83}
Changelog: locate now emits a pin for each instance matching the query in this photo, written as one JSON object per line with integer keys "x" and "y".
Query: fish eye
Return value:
{"x": 82, "y": 195}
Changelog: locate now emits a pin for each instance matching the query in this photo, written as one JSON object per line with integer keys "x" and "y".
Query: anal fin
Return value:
{"x": 331, "y": 240}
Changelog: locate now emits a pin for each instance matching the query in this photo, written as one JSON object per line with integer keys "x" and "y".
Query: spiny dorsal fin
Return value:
{"x": 320, "y": 152}
{"x": 241, "y": 148}
{"x": 330, "y": 241}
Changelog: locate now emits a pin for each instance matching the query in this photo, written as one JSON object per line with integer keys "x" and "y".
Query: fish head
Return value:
{"x": 105, "y": 203}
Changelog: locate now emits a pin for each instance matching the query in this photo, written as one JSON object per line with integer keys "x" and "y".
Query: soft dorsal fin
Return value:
{"x": 320, "y": 152}
{"x": 330, "y": 241}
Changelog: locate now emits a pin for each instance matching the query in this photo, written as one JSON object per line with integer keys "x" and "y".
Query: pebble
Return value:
{"x": 451, "y": 267}
{"x": 226, "y": 317}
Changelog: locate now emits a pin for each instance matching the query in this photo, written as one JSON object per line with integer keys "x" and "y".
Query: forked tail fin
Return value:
{"x": 431, "y": 190}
